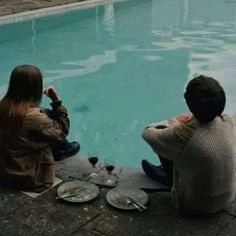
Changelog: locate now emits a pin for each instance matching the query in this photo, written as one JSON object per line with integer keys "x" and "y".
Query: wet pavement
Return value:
{"x": 46, "y": 215}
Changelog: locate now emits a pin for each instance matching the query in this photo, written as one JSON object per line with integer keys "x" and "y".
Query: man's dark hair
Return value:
{"x": 205, "y": 98}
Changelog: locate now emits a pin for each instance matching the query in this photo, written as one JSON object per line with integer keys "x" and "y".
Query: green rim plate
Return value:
{"x": 86, "y": 191}
{"x": 115, "y": 197}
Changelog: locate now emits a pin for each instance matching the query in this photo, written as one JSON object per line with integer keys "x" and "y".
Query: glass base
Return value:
{"x": 111, "y": 180}
{"x": 93, "y": 174}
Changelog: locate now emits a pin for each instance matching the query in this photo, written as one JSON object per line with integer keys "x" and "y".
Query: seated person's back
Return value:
{"x": 201, "y": 150}
{"x": 204, "y": 174}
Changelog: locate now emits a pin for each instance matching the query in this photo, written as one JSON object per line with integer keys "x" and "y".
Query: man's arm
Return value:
{"x": 163, "y": 142}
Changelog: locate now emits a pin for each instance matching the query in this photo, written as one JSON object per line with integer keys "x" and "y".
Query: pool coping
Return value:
{"x": 78, "y": 167}
{"x": 48, "y": 11}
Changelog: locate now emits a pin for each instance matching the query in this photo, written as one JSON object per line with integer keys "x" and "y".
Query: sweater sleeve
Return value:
{"x": 163, "y": 142}
{"x": 42, "y": 129}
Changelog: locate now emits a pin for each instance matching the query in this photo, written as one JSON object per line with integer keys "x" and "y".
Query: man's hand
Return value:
{"x": 51, "y": 93}
{"x": 181, "y": 119}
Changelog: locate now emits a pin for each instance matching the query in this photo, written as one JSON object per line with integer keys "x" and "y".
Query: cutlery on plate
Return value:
{"x": 70, "y": 194}
{"x": 130, "y": 202}
{"x": 138, "y": 203}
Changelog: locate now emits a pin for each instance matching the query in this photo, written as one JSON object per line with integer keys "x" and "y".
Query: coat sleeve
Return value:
{"x": 41, "y": 129}
{"x": 163, "y": 142}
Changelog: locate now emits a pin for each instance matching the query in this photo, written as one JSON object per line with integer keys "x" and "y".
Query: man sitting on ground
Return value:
{"x": 196, "y": 151}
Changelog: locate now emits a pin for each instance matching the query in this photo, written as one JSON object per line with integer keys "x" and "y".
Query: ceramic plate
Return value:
{"x": 82, "y": 191}
{"x": 116, "y": 197}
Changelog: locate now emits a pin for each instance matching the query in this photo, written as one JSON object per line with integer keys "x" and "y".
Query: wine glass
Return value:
{"x": 93, "y": 160}
{"x": 109, "y": 165}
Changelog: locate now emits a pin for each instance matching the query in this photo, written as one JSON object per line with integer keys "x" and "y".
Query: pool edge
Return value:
{"x": 45, "y": 11}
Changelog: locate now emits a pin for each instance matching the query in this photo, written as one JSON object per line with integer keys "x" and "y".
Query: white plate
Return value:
{"x": 86, "y": 191}
{"x": 115, "y": 197}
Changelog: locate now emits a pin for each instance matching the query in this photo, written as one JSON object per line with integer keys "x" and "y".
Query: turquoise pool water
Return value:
{"x": 120, "y": 66}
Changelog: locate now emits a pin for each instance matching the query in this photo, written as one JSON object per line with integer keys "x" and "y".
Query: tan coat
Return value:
{"x": 27, "y": 161}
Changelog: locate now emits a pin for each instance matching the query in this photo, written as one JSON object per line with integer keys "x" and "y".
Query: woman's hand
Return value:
{"x": 51, "y": 93}
{"x": 181, "y": 119}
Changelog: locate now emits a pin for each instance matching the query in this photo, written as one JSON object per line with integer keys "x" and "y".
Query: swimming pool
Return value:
{"x": 122, "y": 65}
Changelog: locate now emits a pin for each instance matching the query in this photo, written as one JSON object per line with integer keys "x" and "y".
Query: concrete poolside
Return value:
{"x": 21, "y": 215}
{"x": 45, "y": 215}
{"x": 8, "y": 7}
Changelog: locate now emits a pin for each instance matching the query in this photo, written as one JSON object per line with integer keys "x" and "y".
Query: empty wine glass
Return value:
{"x": 109, "y": 165}
{"x": 93, "y": 160}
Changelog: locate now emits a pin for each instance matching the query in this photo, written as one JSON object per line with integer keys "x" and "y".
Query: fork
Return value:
{"x": 130, "y": 202}
{"x": 138, "y": 203}
{"x": 70, "y": 194}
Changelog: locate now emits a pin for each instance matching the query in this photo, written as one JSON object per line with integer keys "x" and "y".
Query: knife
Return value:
{"x": 128, "y": 201}
{"x": 137, "y": 203}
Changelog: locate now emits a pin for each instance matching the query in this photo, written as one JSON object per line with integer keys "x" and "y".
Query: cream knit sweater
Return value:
{"x": 204, "y": 171}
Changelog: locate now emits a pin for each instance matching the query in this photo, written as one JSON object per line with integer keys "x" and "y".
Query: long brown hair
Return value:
{"x": 24, "y": 91}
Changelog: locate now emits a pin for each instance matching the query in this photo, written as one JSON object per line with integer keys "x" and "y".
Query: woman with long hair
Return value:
{"x": 31, "y": 138}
